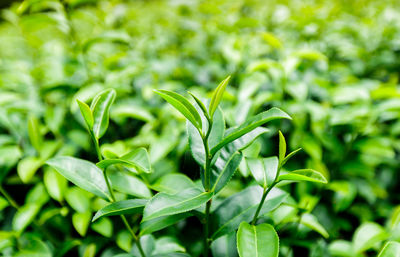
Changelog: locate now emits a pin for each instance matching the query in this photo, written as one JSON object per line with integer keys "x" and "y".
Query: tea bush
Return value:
{"x": 113, "y": 108}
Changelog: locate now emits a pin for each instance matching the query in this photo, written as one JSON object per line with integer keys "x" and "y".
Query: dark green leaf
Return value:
{"x": 157, "y": 224}
{"x": 121, "y": 207}
{"x": 257, "y": 241}
{"x": 223, "y": 171}
{"x": 251, "y": 124}
{"x": 264, "y": 170}
{"x": 82, "y": 173}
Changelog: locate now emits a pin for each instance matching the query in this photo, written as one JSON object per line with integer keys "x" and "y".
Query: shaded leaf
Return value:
{"x": 257, "y": 241}
{"x": 137, "y": 159}
{"x": 121, "y": 207}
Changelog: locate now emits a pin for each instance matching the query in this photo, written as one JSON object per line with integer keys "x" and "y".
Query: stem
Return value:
{"x": 12, "y": 202}
{"x": 264, "y": 196}
{"x": 207, "y": 178}
{"x": 135, "y": 237}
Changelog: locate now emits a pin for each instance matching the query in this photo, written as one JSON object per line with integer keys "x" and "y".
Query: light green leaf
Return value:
{"x": 56, "y": 184}
{"x": 264, "y": 170}
{"x": 168, "y": 244}
{"x": 282, "y": 147}
{"x": 217, "y": 96}
{"x": 251, "y": 124}
{"x": 25, "y": 215}
{"x": 78, "y": 199}
{"x": 90, "y": 250}
{"x": 137, "y": 159}
{"x": 183, "y": 106}
{"x": 367, "y": 235}
{"x": 27, "y": 168}
{"x": 173, "y": 183}
{"x": 257, "y": 241}
{"x": 129, "y": 184}
{"x": 103, "y": 226}
{"x": 341, "y": 248}
{"x": 311, "y": 222}
{"x": 86, "y": 114}
{"x": 304, "y": 175}
{"x": 164, "y": 204}
{"x": 290, "y": 155}
{"x": 82, "y": 173}
{"x": 200, "y": 104}
{"x": 223, "y": 171}
{"x": 101, "y": 108}
{"x": 121, "y": 207}
{"x": 391, "y": 249}
{"x": 81, "y": 221}
{"x": 34, "y": 133}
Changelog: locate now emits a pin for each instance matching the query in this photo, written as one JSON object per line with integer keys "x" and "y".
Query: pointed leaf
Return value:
{"x": 251, "y": 124}
{"x": 121, "y": 207}
{"x": 225, "y": 246}
{"x": 311, "y": 222}
{"x": 367, "y": 235}
{"x": 223, "y": 171}
{"x": 137, "y": 159}
{"x": 34, "y": 133}
{"x": 164, "y": 204}
{"x": 257, "y": 241}
{"x": 82, "y": 173}
{"x": 148, "y": 227}
{"x": 217, "y": 96}
{"x": 101, "y": 108}
{"x": 391, "y": 249}
{"x": 81, "y": 222}
{"x": 289, "y": 156}
{"x": 129, "y": 184}
{"x": 183, "y": 106}
{"x": 242, "y": 207}
{"x": 304, "y": 175}
{"x": 173, "y": 183}
{"x": 200, "y": 104}
{"x": 282, "y": 147}
{"x": 86, "y": 114}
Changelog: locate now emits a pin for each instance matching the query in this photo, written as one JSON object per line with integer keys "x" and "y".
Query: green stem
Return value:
{"x": 12, "y": 202}
{"x": 207, "y": 181}
{"x": 264, "y": 196}
{"x": 125, "y": 221}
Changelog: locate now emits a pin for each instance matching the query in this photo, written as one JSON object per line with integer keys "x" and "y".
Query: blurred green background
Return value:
{"x": 332, "y": 65}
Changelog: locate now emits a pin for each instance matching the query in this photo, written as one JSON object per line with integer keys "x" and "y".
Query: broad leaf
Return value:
{"x": 311, "y": 222}
{"x": 56, "y": 184}
{"x": 251, "y": 124}
{"x": 242, "y": 207}
{"x": 264, "y": 170}
{"x": 148, "y": 227}
{"x": 81, "y": 222}
{"x": 391, "y": 249}
{"x": 164, "y": 204}
{"x": 304, "y": 175}
{"x": 173, "y": 183}
{"x": 121, "y": 207}
{"x": 86, "y": 114}
{"x": 257, "y": 241}
{"x": 101, "y": 108}
{"x": 128, "y": 183}
{"x": 183, "y": 106}
{"x": 217, "y": 96}
{"x": 82, "y": 173}
{"x": 25, "y": 215}
{"x": 367, "y": 235}
{"x": 225, "y": 246}
{"x": 27, "y": 168}
{"x": 137, "y": 159}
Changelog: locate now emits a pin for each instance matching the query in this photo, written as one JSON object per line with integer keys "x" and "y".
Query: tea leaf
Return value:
{"x": 367, "y": 235}
{"x": 282, "y": 147}
{"x": 223, "y": 171}
{"x": 304, "y": 175}
{"x": 34, "y": 133}
{"x": 137, "y": 159}
{"x": 153, "y": 225}
{"x": 391, "y": 249}
{"x": 86, "y": 114}
{"x": 121, "y": 207}
{"x": 257, "y": 241}
{"x": 217, "y": 96}
{"x": 264, "y": 170}
{"x": 101, "y": 108}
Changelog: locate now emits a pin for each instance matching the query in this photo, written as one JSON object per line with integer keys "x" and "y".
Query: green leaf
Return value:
{"x": 251, "y": 124}
{"x": 173, "y": 183}
{"x": 217, "y": 96}
{"x": 242, "y": 207}
{"x": 81, "y": 221}
{"x": 264, "y": 170}
{"x": 391, "y": 249}
{"x": 148, "y": 227}
{"x": 311, "y": 222}
{"x": 137, "y": 159}
{"x": 27, "y": 168}
{"x": 201, "y": 105}
{"x": 163, "y": 204}
{"x": 90, "y": 250}
{"x": 183, "y": 106}
{"x": 304, "y": 175}
{"x": 121, "y": 207}
{"x": 223, "y": 171}
{"x": 56, "y": 184}
{"x": 257, "y": 241}
{"x": 31, "y": 246}
{"x": 129, "y": 184}
{"x": 82, "y": 173}
{"x": 282, "y": 148}
{"x": 25, "y": 215}
{"x": 86, "y": 114}
{"x": 78, "y": 199}
{"x": 103, "y": 226}
{"x": 225, "y": 246}
{"x": 341, "y": 248}
{"x": 367, "y": 235}
{"x": 167, "y": 245}
{"x": 34, "y": 133}
{"x": 101, "y": 108}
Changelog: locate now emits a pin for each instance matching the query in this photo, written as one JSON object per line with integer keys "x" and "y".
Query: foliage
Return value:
{"x": 86, "y": 134}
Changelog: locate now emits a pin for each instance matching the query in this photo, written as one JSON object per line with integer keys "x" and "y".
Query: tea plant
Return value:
{"x": 218, "y": 151}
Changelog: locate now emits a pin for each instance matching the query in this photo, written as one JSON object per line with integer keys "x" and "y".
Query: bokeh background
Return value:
{"x": 332, "y": 65}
